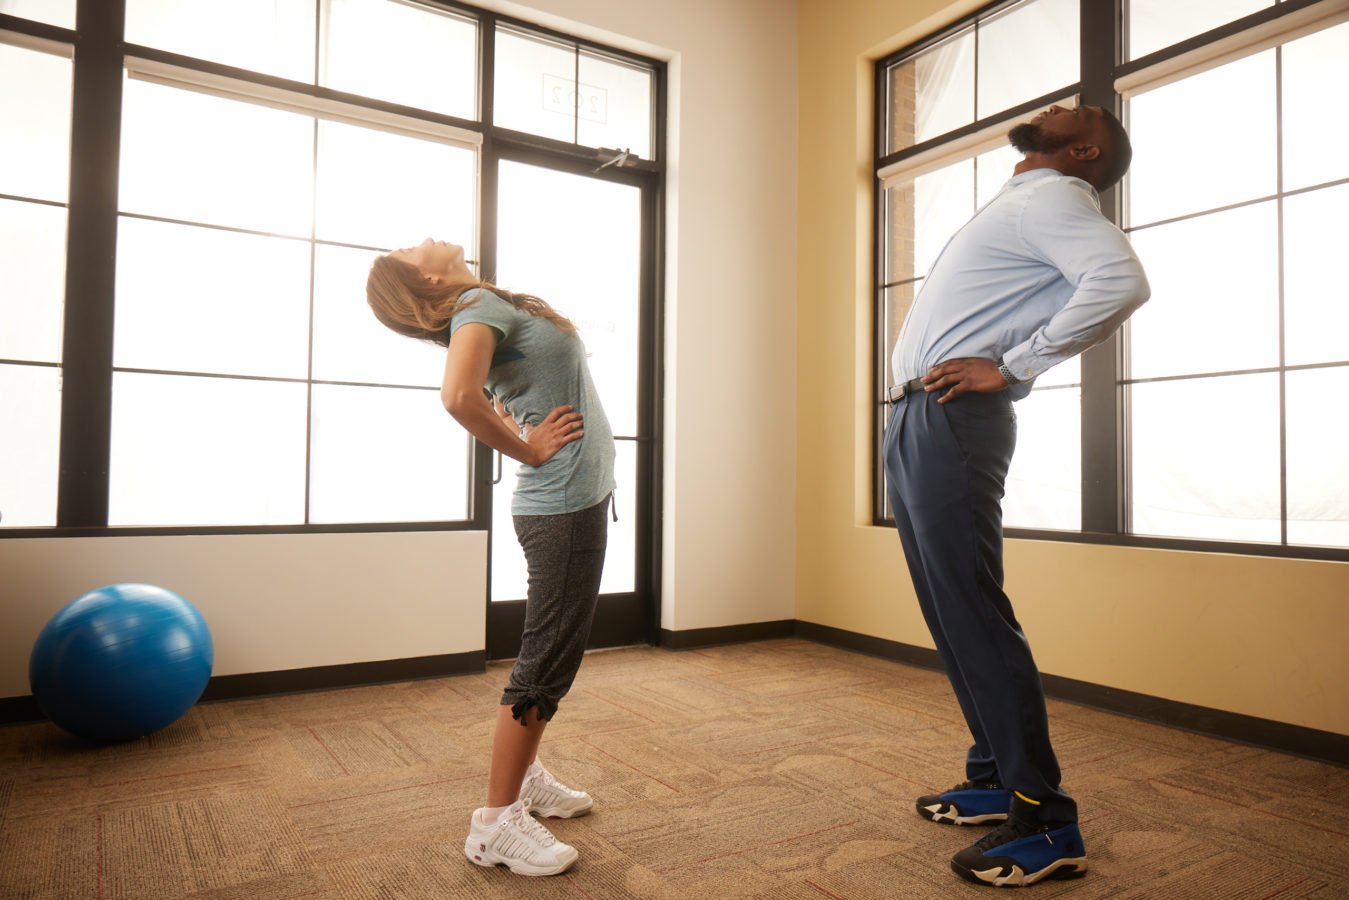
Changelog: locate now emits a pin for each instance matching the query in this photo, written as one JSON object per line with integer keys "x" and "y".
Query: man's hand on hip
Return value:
{"x": 969, "y": 373}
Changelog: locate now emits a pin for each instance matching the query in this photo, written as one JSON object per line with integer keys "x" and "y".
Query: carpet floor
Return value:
{"x": 783, "y": 769}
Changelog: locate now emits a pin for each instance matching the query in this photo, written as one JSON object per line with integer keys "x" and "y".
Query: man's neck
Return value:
{"x": 1037, "y": 161}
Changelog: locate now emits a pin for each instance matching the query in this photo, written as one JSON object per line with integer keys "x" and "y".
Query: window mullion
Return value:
{"x": 1103, "y": 410}
{"x": 480, "y": 505}
{"x": 1283, "y": 311}
{"x": 87, "y": 348}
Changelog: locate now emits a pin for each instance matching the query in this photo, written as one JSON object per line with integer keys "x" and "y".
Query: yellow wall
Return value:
{"x": 1252, "y": 635}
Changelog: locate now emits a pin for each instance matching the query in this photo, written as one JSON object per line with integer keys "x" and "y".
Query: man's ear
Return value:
{"x": 1085, "y": 152}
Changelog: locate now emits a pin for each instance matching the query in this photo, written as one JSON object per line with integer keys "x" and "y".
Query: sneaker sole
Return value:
{"x": 560, "y": 812}
{"x": 952, "y": 816}
{"x": 999, "y": 877}
{"x": 490, "y": 860}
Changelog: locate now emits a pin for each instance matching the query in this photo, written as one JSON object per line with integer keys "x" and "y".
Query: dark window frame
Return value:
{"x": 1102, "y": 50}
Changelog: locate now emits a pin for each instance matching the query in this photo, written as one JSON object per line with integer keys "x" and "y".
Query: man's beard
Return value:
{"x": 1029, "y": 137}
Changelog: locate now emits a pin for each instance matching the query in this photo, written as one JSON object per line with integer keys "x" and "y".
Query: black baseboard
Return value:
{"x": 322, "y": 678}
{"x": 1324, "y": 746}
{"x": 872, "y": 646}
{"x": 692, "y": 638}
{"x": 14, "y": 710}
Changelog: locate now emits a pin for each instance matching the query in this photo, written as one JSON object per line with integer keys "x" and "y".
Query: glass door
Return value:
{"x": 576, "y": 240}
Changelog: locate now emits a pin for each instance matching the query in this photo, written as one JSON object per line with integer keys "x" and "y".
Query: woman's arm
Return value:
{"x": 466, "y": 366}
{"x": 505, "y": 415}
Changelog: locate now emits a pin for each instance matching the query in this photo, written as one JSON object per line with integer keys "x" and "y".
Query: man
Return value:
{"x": 1036, "y": 277}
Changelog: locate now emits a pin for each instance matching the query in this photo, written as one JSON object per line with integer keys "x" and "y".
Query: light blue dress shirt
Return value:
{"x": 1036, "y": 277}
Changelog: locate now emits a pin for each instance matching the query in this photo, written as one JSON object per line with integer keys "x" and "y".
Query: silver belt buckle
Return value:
{"x": 897, "y": 392}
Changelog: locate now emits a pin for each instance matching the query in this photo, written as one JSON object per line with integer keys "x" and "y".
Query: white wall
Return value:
{"x": 272, "y": 602}
{"x": 282, "y": 602}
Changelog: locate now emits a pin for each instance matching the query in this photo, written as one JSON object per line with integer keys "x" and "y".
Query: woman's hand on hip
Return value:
{"x": 558, "y": 429}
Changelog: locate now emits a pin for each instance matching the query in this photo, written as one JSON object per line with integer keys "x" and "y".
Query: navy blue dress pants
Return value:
{"x": 945, "y": 466}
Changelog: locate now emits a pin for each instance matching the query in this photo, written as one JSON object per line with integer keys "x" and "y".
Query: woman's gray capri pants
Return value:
{"x": 565, "y": 557}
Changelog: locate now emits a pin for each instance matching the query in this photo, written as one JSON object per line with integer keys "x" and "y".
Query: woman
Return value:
{"x": 517, "y": 380}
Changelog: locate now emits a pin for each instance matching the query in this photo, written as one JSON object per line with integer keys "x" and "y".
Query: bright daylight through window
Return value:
{"x": 34, "y": 174}
{"x": 262, "y": 155}
{"x": 1227, "y": 378}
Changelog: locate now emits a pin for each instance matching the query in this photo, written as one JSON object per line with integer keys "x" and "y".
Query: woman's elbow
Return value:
{"x": 455, "y": 401}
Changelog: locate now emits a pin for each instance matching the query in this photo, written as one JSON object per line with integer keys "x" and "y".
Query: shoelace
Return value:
{"x": 525, "y": 822}
{"x": 1008, "y": 831}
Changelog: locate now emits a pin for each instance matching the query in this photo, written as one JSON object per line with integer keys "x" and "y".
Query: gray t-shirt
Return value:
{"x": 536, "y": 368}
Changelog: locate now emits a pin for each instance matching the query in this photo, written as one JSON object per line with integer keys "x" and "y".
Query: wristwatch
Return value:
{"x": 1006, "y": 373}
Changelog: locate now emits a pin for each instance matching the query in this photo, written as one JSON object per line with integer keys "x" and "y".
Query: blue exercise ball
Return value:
{"x": 121, "y": 662}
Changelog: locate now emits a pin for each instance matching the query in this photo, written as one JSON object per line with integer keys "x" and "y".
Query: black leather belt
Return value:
{"x": 898, "y": 392}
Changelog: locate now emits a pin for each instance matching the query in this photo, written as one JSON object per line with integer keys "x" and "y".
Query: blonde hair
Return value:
{"x": 410, "y": 305}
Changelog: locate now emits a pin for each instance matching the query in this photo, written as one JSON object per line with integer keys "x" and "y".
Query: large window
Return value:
{"x": 240, "y": 316}
{"x": 35, "y": 79}
{"x": 189, "y": 206}
{"x": 1236, "y": 366}
{"x": 985, "y": 69}
{"x": 1209, "y": 421}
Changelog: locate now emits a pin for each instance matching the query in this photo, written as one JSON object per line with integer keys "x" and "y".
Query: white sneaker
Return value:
{"x": 549, "y": 797}
{"x": 518, "y": 842}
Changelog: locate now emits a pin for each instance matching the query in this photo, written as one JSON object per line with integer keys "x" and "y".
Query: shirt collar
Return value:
{"x": 1037, "y": 174}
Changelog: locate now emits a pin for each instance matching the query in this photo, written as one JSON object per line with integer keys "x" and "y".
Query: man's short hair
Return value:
{"x": 1118, "y": 155}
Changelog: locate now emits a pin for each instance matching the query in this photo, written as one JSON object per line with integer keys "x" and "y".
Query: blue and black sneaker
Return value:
{"x": 970, "y": 803}
{"x": 1021, "y": 851}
